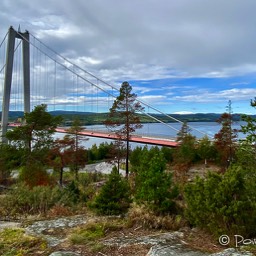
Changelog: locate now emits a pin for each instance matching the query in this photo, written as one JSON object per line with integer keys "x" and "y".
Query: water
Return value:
{"x": 159, "y": 130}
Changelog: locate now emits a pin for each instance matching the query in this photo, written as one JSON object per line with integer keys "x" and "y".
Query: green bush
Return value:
{"x": 114, "y": 196}
{"x": 223, "y": 203}
{"x": 153, "y": 184}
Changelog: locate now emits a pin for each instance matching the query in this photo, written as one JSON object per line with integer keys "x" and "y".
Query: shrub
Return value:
{"x": 73, "y": 191}
{"x": 142, "y": 216}
{"x": 22, "y": 200}
{"x": 223, "y": 203}
{"x": 153, "y": 184}
{"x": 59, "y": 210}
{"x": 114, "y": 196}
{"x": 34, "y": 175}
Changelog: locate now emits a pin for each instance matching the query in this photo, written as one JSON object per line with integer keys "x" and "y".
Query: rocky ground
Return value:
{"x": 123, "y": 241}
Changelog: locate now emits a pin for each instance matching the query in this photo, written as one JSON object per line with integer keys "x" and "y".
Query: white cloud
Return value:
{"x": 239, "y": 84}
{"x": 224, "y": 95}
{"x": 147, "y": 40}
{"x": 59, "y": 30}
{"x": 183, "y": 112}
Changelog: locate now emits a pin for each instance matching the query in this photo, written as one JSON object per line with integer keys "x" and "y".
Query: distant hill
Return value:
{"x": 88, "y": 118}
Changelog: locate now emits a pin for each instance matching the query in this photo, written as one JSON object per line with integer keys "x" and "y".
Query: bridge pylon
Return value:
{"x": 12, "y": 35}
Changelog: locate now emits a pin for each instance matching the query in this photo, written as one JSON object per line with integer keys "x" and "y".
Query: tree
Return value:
{"x": 205, "y": 149}
{"x": 9, "y": 159}
{"x": 184, "y": 132}
{"x": 186, "y": 152}
{"x": 226, "y": 138}
{"x": 122, "y": 118}
{"x": 117, "y": 152}
{"x": 250, "y": 128}
{"x": 75, "y": 132}
{"x": 247, "y": 150}
{"x": 153, "y": 184}
{"x": 114, "y": 196}
{"x": 135, "y": 158}
{"x": 59, "y": 156}
{"x": 223, "y": 203}
{"x": 35, "y": 135}
{"x": 76, "y": 152}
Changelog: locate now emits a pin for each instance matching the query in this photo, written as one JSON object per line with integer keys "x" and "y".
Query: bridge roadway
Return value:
{"x": 134, "y": 138}
{"x": 113, "y": 136}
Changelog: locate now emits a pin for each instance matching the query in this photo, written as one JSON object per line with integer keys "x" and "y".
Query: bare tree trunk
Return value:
{"x": 61, "y": 176}
{"x": 127, "y": 159}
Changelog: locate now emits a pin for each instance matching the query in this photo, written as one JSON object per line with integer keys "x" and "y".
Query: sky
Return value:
{"x": 180, "y": 56}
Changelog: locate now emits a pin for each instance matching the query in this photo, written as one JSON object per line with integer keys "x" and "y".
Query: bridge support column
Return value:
{"x": 8, "y": 77}
{"x": 26, "y": 71}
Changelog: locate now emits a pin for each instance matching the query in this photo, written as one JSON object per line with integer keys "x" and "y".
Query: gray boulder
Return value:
{"x": 180, "y": 250}
{"x": 64, "y": 254}
{"x": 232, "y": 252}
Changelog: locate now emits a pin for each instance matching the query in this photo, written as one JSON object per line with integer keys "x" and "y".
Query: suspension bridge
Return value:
{"x": 31, "y": 73}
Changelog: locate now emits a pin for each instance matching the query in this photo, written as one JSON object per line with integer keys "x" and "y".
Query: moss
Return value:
{"x": 14, "y": 242}
{"x": 85, "y": 235}
{"x": 91, "y": 233}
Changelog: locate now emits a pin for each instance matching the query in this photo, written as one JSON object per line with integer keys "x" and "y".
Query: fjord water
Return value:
{"x": 159, "y": 130}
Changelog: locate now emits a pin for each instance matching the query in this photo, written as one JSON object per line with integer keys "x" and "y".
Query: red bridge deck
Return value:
{"x": 106, "y": 135}
{"x": 134, "y": 138}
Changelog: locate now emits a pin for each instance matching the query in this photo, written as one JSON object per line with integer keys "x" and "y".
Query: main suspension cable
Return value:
{"x": 104, "y": 82}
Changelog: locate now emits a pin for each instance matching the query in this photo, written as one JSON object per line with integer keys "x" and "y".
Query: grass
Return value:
{"x": 87, "y": 234}
{"x": 94, "y": 230}
{"x": 142, "y": 216}
{"x": 90, "y": 234}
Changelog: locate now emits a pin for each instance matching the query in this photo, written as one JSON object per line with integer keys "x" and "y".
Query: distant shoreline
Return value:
{"x": 92, "y": 118}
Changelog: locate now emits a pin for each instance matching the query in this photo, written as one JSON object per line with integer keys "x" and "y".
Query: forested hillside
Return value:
{"x": 88, "y": 118}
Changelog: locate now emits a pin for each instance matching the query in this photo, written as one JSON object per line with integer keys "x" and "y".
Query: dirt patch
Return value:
{"x": 201, "y": 170}
{"x": 184, "y": 173}
{"x": 201, "y": 240}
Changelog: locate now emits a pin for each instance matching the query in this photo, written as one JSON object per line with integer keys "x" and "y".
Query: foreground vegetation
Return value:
{"x": 156, "y": 194}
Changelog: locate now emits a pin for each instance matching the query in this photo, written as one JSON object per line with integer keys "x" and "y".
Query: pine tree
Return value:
{"x": 34, "y": 137}
{"x": 123, "y": 119}
{"x": 184, "y": 132}
{"x": 153, "y": 184}
{"x": 36, "y": 131}
{"x": 186, "y": 152}
{"x": 226, "y": 138}
{"x": 77, "y": 153}
{"x": 247, "y": 150}
{"x": 114, "y": 196}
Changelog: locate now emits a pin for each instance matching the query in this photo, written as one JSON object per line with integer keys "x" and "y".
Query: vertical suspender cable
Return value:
{"x": 55, "y": 81}
{"x": 78, "y": 98}
{"x": 97, "y": 97}
{"x": 32, "y": 63}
